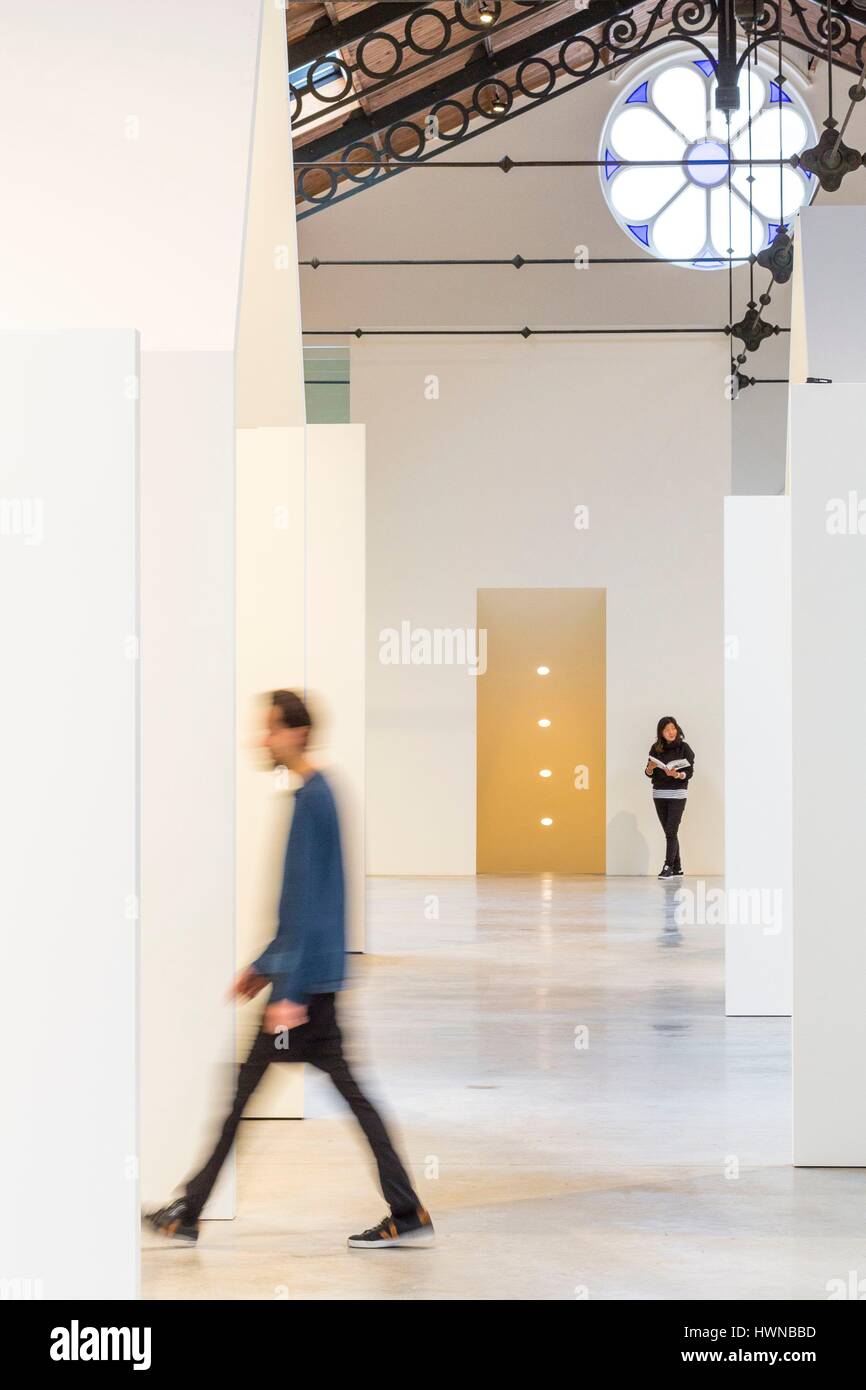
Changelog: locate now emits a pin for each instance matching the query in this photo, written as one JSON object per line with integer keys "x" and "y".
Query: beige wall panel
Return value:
{"x": 563, "y": 630}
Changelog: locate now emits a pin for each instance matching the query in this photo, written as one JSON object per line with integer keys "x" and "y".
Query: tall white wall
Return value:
{"x": 478, "y": 488}
{"x": 69, "y": 814}
{"x": 829, "y": 305}
{"x": 270, "y": 502}
{"x": 188, "y": 757}
{"x": 127, "y": 186}
{"x": 758, "y": 753}
{"x": 828, "y": 565}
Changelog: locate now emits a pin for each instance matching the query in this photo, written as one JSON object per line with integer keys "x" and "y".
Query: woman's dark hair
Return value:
{"x": 293, "y": 711}
{"x": 659, "y": 746}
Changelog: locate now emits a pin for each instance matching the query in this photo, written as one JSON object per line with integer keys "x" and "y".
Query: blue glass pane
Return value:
{"x": 642, "y": 232}
{"x": 807, "y": 172}
{"x": 776, "y": 93}
{"x": 639, "y": 94}
{"x": 705, "y": 66}
{"x": 610, "y": 165}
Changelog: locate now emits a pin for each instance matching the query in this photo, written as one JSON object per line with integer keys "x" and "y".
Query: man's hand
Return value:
{"x": 284, "y": 1014}
{"x": 247, "y": 985}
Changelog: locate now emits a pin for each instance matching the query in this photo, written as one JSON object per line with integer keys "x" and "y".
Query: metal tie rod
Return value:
{"x": 518, "y": 262}
{"x": 506, "y": 165}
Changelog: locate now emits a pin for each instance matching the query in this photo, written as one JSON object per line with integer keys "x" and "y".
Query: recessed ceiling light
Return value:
{"x": 542, "y": 671}
{"x": 545, "y": 772}
{"x": 546, "y": 820}
{"x": 544, "y": 723}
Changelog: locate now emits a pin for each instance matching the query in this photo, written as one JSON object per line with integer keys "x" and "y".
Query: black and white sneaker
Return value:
{"x": 174, "y": 1222}
{"x": 667, "y": 872}
{"x": 415, "y": 1231}
{"x": 677, "y": 873}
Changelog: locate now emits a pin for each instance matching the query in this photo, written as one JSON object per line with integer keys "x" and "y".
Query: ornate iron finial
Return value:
{"x": 752, "y": 329}
{"x": 778, "y": 257}
{"x": 830, "y": 160}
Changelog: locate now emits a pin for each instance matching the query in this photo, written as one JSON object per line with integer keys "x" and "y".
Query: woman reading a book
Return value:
{"x": 670, "y": 764}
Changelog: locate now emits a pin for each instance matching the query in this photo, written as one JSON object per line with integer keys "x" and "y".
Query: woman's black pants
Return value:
{"x": 670, "y": 813}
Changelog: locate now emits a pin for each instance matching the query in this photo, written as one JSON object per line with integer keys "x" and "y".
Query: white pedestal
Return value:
{"x": 758, "y": 937}
{"x": 828, "y": 565}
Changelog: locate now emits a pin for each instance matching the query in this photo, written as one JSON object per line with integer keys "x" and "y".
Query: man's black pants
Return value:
{"x": 318, "y": 1041}
{"x": 670, "y": 813}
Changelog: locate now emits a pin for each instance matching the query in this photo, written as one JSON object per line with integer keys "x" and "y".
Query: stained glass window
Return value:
{"x": 684, "y": 210}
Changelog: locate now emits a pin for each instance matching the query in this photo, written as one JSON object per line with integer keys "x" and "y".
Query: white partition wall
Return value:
{"x": 828, "y": 565}
{"x": 336, "y": 635}
{"x": 301, "y": 589}
{"x": 270, "y": 648}
{"x": 758, "y": 940}
{"x": 68, "y": 814}
{"x": 270, "y": 528}
{"x": 188, "y": 760}
{"x": 829, "y": 301}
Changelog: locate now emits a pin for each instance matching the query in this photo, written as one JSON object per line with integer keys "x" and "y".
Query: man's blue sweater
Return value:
{"x": 307, "y": 955}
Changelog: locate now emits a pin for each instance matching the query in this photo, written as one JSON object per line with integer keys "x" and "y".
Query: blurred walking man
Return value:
{"x": 304, "y": 966}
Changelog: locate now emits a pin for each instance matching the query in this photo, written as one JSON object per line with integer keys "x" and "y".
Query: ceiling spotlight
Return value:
{"x": 544, "y": 723}
{"x": 542, "y": 670}
{"x": 546, "y": 820}
{"x": 485, "y": 13}
{"x": 545, "y": 772}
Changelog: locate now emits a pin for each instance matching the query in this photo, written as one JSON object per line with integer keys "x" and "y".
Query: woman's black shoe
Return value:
{"x": 667, "y": 872}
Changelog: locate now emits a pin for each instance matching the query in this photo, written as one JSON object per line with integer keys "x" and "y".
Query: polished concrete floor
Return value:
{"x": 581, "y": 1118}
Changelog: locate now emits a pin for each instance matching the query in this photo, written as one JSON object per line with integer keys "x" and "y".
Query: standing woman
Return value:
{"x": 671, "y": 764}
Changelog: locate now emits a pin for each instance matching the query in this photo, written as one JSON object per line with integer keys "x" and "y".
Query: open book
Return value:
{"x": 677, "y": 765}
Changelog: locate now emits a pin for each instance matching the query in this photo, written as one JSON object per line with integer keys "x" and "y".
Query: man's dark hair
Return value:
{"x": 293, "y": 712}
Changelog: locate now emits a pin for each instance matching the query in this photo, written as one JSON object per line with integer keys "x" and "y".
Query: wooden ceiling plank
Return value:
{"x": 324, "y": 40}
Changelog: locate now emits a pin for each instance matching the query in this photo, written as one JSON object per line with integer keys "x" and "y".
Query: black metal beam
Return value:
{"x": 319, "y": 42}
{"x": 363, "y": 127}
